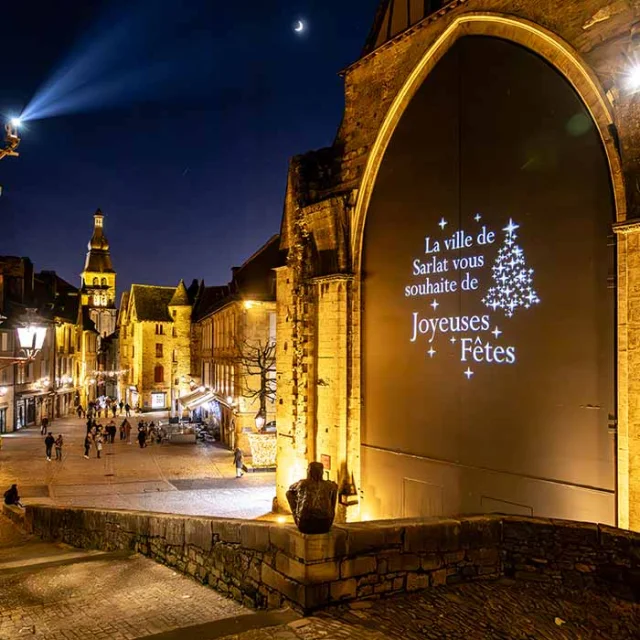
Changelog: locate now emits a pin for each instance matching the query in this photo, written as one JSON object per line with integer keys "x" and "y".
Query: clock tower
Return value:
{"x": 98, "y": 288}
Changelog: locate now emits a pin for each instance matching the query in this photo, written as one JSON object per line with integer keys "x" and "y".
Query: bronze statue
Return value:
{"x": 313, "y": 501}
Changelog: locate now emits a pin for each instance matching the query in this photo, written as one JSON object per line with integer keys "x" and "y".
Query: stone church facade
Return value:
{"x": 323, "y": 408}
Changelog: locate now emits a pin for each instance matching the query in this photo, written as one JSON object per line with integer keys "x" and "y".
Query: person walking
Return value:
{"x": 142, "y": 437}
{"x": 127, "y": 410}
{"x": 111, "y": 431}
{"x": 238, "y": 461}
{"x": 43, "y": 426}
{"x": 59, "y": 443}
{"x": 127, "y": 430}
{"x": 88, "y": 441}
{"x": 114, "y": 409}
{"x": 99, "y": 444}
{"x": 121, "y": 431}
{"x": 49, "y": 441}
{"x": 121, "y": 405}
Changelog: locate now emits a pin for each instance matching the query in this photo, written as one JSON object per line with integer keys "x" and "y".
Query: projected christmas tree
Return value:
{"x": 513, "y": 281}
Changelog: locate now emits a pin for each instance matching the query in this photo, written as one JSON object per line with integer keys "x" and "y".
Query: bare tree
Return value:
{"x": 257, "y": 361}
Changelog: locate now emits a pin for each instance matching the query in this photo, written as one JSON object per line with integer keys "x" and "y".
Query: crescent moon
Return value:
{"x": 300, "y": 26}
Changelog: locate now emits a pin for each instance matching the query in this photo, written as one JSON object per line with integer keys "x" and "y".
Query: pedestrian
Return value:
{"x": 11, "y": 496}
{"x": 127, "y": 430}
{"x": 111, "y": 431}
{"x": 122, "y": 432}
{"x": 238, "y": 462}
{"x": 59, "y": 443}
{"x": 99, "y": 444}
{"x": 88, "y": 441}
{"x": 142, "y": 437}
{"x": 114, "y": 408}
{"x": 79, "y": 411}
{"x": 89, "y": 424}
{"x": 121, "y": 405}
{"x": 127, "y": 409}
{"x": 48, "y": 443}
{"x": 43, "y": 426}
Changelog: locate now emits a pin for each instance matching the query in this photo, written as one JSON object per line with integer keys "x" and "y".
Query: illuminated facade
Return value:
{"x": 98, "y": 286}
{"x": 154, "y": 330}
{"x": 456, "y": 318}
{"x": 234, "y": 337}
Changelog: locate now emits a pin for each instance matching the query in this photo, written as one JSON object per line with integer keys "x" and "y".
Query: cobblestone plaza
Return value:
{"x": 195, "y": 479}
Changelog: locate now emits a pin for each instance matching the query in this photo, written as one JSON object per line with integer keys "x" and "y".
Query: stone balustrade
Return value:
{"x": 267, "y": 565}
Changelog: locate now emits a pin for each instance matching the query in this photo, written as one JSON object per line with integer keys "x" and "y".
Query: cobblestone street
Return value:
{"x": 195, "y": 479}
{"x": 503, "y": 610}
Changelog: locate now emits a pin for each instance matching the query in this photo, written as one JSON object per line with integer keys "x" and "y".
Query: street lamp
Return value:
{"x": 11, "y": 138}
{"x": 31, "y": 337}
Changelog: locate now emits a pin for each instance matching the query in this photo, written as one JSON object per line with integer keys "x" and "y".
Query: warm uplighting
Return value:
{"x": 281, "y": 519}
{"x": 248, "y": 304}
{"x": 230, "y": 399}
{"x": 260, "y": 420}
{"x": 4, "y": 391}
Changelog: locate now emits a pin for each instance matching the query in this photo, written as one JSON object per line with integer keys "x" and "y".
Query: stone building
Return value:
{"x": 468, "y": 125}
{"x": 234, "y": 345}
{"x": 154, "y": 330}
{"x": 47, "y": 385}
{"x": 99, "y": 280}
{"x": 97, "y": 313}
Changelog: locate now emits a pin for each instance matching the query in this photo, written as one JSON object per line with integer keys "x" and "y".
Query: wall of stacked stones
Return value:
{"x": 266, "y": 565}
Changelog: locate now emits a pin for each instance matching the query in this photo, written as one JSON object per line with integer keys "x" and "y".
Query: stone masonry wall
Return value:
{"x": 265, "y": 565}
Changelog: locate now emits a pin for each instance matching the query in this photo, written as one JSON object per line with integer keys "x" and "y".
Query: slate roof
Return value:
{"x": 208, "y": 300}
{"x": 395, "y": 16}
{"x": 151, "y": 302}
{"x": 254, "y": 280}
{"x": 180, "y": 297}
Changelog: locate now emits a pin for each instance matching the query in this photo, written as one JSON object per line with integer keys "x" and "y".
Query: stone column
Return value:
{"x": 333, "y": 329}
{"x": 293, "y": 452}
{"x": 629, "y": 374}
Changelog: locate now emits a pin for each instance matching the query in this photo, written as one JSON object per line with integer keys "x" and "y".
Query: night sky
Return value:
{"x": 176, "y": 118}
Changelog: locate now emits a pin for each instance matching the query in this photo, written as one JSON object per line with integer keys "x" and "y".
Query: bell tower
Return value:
{"x": 98, "y": 287}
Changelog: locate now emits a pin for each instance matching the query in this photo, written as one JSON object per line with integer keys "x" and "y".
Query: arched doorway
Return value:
{"x": 488, "y": 304}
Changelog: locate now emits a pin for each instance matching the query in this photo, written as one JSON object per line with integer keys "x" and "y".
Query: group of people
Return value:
{"x": 98, "y": 435}
{"x": 106, "y": 405}
{"x": 50, "y": 442}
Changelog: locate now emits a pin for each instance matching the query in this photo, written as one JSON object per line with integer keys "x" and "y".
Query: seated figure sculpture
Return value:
{"x": 313, "y": 501}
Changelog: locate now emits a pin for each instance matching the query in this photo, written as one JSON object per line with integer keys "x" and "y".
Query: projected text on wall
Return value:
{"x": 489, "y": 268}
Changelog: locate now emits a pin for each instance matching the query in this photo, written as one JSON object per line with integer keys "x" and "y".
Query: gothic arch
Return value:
{"x": 544, "y": 43}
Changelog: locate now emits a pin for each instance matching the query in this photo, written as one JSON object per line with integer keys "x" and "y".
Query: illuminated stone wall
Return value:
{"x": 320, "y": 401}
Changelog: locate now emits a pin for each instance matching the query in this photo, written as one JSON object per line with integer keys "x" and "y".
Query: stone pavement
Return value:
{"x": 195, "y": 479}
{"x": 54, "y": 592}
{"x": 503, "y": 610}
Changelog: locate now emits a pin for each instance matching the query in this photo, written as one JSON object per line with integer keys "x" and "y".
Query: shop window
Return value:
{"x": 158, "y": 350}
{"x": 158, "y": 373}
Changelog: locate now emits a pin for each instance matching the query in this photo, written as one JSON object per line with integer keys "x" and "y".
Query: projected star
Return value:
{"x": 452, "y": 340}
{"x": 432, "y": 352}
{"x": 511, "y": 227}
{"x": 497, "y": 333}
{"x": 478, "y": 217}
{"x": 300, "y": 27}
{"x": 468, "y": 373}
{"x": 443, "y": 223}
{"x": 434, "y": 304}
